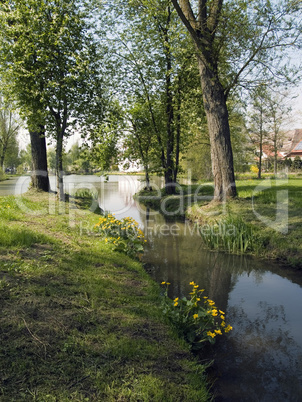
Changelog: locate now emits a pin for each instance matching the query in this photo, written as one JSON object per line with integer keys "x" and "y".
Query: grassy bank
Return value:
{"x": 265, "y": 220}
{"x": 80, "y": 322}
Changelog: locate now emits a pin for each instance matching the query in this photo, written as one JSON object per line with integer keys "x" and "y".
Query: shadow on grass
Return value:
{"x": 83, "y": 322}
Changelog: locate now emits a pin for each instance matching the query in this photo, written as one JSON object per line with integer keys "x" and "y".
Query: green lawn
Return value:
{"x": 80, "y": 322}
{"x": 273, "y": 211}
{"x": 266, "y": 216}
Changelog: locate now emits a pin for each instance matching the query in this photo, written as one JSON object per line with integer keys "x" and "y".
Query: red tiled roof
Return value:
{"x": 297, "y": 150}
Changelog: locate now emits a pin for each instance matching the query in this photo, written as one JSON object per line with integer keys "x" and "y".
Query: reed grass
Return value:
{"x": 234, "y": 235}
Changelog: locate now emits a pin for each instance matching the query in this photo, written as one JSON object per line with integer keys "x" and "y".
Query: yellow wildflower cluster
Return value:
{"x": 215, "y": 313}
{"x": 127, "y": 227}
{"x": 198, "y": 321}
{"x": 124, "y": 234}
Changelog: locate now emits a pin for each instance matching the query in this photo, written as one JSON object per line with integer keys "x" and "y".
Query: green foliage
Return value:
{"x": 197, "y": 319}
{"x": 103, "y": 152}
{"x": 50, "y": 68}
{"x": 297, "y": 163}
{"x": 141, "y": 142}
{"x": 2, "y": 175}
{"x": 160, "y": 90}
{"x": 9, "y": 128}
{"x": 232, "y": 234}
{"x": 124, "y": 234}
{"x": 49, "y": 58}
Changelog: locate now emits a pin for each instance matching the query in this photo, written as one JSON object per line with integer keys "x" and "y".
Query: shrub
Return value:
{"x": 196, "y": 319}
{"x": 124, "y": 234}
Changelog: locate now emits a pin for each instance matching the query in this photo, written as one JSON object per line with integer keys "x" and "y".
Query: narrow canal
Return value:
{"x": 261, "y": 359}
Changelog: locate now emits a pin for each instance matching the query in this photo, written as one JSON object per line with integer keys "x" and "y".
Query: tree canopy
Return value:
{"x": 50, "y": 66}
{"x": 237, "y": 44}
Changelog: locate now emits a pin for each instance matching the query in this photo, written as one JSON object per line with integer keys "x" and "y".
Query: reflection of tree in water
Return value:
{"x": 179, "y": 259}
{"x": 259, "y": 360}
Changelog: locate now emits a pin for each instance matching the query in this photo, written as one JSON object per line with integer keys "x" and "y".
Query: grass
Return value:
{"x": 271, "y": 213}
{"x": 80, "y": 322}
{"x": 175, "y": 206}
{"x": 264, "y": 220}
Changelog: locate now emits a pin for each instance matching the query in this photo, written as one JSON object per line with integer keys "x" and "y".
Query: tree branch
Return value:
{"x": 248, "y": 62}
{"x": 187, "y": 17}
{"x": 214, "y": 16}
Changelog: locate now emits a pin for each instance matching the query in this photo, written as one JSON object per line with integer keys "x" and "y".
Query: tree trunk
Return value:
{"x": 147, "y": 178}
{"x": 260, "y": 153}
{"x": 59, "y": 168}
{"x": 219, "y": 133}
{"x": 169, "y": 169}
{"x": 39, "y": 177}
{"x": 275, "y": 155}
{"x": 178, "y": 128}
{"x": 2, "y": 156}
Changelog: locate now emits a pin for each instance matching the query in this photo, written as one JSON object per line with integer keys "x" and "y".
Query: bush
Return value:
{"x": 196, "y": 319}
{"x": 297, "y": 164}
{"x": 124, "y": 234}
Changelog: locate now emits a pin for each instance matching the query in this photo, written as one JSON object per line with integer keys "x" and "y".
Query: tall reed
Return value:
{"x": 231, "y": 234}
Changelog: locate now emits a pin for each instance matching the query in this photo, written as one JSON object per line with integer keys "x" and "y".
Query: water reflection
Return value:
{"x": 261, "y": 359}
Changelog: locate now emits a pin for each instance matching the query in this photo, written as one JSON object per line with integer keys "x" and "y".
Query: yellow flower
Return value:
{"x": 228, "y": 329}
{"x": 222, "y": 324}
{"x": 214, "y": 313}
{"x": 163, "y": 283}
{"x": 192, "y": 283}
{"x": 175, "y": 300}
{"x": 212, "y": 334}
{"x": 196, "y": 286}
{"x": 175, "y": 304}
{"x": 222, "y": 317}
{"x": 221, "y": 312}
{"x": 218, "y": 331}
{"x": 198, "y": 299}
{"x": 195, "y": 316}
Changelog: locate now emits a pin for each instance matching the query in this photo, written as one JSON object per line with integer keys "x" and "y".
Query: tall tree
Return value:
{"x": 50, "y": 53}
{"x": 232, "y": 39}
{"x": 141, "y": 139}
{"x": 15, "y": 76}
{"x": 158, "y": 54}
{"x": 9, "y": 128}
{"x": 259, "y": 122}
{"x": 278, "y": 114}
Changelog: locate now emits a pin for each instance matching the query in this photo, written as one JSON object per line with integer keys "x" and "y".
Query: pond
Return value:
{"x": 261, "y": 359}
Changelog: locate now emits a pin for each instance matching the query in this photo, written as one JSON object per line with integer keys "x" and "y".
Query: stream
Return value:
{"x": 261, "y": 359}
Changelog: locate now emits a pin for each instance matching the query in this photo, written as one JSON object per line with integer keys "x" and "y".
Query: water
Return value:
{"x": 261, "y": 359}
